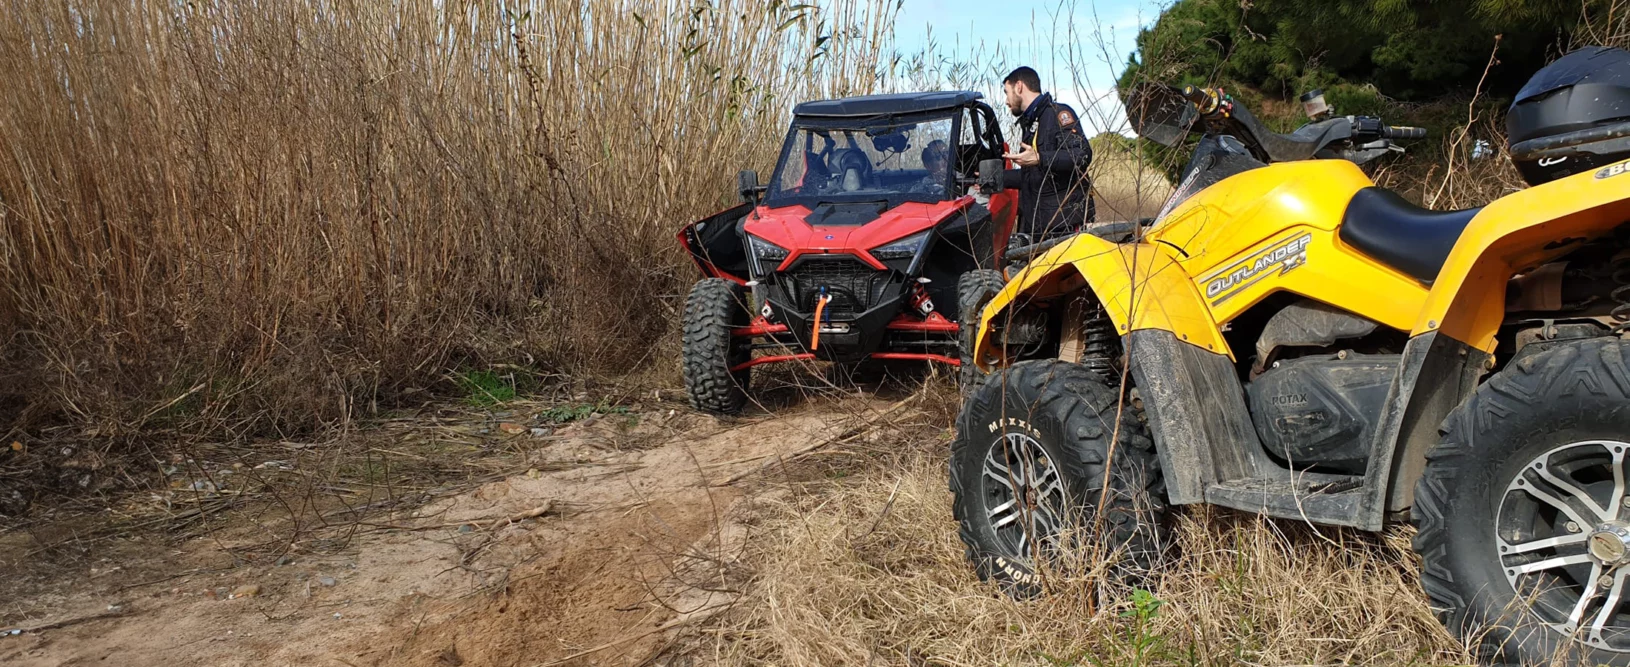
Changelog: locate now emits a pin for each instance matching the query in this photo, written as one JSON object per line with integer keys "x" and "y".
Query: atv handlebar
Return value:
{"x": 1403, "y": 132}
{"x": 1203, "y": 99}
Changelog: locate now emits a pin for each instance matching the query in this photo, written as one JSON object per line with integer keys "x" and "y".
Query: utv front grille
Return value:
{"x": 853, "y": 286}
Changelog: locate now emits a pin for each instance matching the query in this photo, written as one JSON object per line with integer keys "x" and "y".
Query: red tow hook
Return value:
{"x": 820, "y": 307}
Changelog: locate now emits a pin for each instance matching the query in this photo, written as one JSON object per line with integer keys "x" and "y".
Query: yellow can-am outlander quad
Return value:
{"x": 1287, "y": 338}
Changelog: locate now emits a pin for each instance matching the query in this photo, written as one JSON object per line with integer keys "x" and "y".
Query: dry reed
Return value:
{"x": 266, "y": 216}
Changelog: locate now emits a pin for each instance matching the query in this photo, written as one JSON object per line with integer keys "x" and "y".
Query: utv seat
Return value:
{"x": 1406, "y": 237}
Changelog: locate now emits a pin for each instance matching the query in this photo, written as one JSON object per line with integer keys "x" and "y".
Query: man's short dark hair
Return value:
{"x": 936, "y": 150}
{"x": 1026, "y": 76}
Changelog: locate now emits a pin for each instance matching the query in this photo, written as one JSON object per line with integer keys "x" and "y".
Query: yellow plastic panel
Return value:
{"x": 1514, "y": 234}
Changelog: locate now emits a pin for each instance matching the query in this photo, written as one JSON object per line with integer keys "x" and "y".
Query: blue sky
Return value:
{"x": 1078, "y": 46}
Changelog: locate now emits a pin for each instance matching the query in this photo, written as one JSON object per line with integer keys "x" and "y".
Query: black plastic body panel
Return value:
{"x": 1210, "y": 450}
{"x": 1196, "y": 411}
{"x": 716, "y": 244}
{"x": 890, "y": 103}
{"x": 865, "y": 335}
{"x": 1321, "y": 412}
{"x": 1441, "y": 373}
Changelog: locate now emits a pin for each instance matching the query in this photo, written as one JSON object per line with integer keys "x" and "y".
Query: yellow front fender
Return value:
{"x": 1141, "y": 286}
{"x": 1517, "y": 233}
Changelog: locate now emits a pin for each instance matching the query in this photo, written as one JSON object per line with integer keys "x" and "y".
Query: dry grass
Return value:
{"x": 1125, "y": 185}
{"x": 254, "y": 217}
{"x": 873, "y": 573}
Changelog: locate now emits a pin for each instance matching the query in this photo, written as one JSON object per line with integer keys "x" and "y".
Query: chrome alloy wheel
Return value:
{"x": 1024, "y": 495}
{"x": 1562, "y": 532}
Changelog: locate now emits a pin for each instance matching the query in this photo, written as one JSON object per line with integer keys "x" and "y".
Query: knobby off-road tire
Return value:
{"x": 714, "y": 307}
{"x": 1066, "y": 414}
{"x": 974, "y": 289}
{"x": 1560, "y": 413}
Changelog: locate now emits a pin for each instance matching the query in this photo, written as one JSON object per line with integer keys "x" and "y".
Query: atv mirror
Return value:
{"x": 1159, "y": 112}
{"x": 747, "y": 186}
{"x": 990, "y": 175}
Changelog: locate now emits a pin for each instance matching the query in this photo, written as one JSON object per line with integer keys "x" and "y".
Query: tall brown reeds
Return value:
{"x": 274, "y": 215}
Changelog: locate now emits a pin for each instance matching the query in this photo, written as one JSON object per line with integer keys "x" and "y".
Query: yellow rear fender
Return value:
{"x": 1141, "y": 286}
{"x": 1513, "y": 235}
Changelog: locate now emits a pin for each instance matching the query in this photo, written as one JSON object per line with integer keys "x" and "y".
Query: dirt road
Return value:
{"x": 613, "y": 536}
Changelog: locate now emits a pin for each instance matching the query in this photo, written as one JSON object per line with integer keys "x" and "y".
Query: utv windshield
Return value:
{"x": 844, "y": 160}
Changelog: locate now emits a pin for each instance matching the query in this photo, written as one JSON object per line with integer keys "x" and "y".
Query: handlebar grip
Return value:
{"x": 1201, "y": 98}
{"x": 1403, "y": 132}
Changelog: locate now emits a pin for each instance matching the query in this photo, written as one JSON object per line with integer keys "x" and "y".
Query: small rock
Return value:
{"x": 465, "y": 528}
{"x": 336, "y": 615}
{"x": 245, "y": 591}
{"x": 327, "y": 581}
{"x": 539, "y": 432}
{"x": 532, "y": 473}
{"x": 512, "y": 428}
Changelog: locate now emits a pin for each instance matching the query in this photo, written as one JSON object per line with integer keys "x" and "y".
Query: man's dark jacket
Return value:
{"x": 1054, "y": 196}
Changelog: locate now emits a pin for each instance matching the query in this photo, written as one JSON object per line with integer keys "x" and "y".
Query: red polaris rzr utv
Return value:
{"x": 862, "y": 248}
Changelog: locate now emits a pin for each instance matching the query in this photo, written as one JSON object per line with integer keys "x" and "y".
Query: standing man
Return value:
{"x": 1055, "y": 195}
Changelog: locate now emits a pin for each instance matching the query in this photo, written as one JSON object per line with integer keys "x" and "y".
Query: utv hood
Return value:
{"x": 851, "y": 228}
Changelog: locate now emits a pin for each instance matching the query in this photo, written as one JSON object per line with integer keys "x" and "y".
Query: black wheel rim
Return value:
{"x": 1024, "y": 498}
{"x": 1562, "y": 536}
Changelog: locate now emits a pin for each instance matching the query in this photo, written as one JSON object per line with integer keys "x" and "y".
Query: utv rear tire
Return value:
{"x": 974, "y": 289}
{"x": 1070, "y": 414}
{"x": 1479, "y": 522}
{"x": 714, "y": 307}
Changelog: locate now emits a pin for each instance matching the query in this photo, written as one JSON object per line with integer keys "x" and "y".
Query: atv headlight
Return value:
{"x": 765, "y": 250}
{"x": 905, "y": 248}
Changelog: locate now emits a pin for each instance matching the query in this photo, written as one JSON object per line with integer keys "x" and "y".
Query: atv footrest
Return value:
{"x": 1327, "y": 499}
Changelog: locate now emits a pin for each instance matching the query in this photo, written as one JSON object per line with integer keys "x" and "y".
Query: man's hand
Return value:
{"x": 1026, "y": 157}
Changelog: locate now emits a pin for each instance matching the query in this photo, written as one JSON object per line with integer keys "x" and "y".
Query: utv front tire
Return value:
{"x": 1525, "y": 476}
{"x": 974, "y": 289}
{"x": 1050, "y": 425}
{"x": 714, "y": 307}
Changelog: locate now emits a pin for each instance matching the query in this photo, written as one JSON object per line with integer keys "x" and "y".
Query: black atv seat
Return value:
{"x": 1414, "y": 240}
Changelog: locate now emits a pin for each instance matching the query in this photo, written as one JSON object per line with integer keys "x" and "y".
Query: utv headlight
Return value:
{"x": 764, "y": 250}
{"x": 905, "y": 248}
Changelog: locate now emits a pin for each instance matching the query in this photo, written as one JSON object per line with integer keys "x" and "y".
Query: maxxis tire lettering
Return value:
{"x": 1072, "y": 414}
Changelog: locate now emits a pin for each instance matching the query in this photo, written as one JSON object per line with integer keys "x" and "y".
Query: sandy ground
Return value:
{"x": 629, "y": 544}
